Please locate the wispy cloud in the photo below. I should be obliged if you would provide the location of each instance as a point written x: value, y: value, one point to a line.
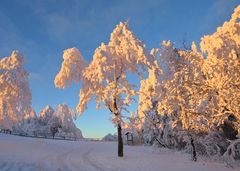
x: 68, y: 21
x: 10, y: 35
x: 33, y: 76
x: 12, y: 38
x: 219, y: 12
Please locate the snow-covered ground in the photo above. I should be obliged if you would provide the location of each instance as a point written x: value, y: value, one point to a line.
x: 20, y: 153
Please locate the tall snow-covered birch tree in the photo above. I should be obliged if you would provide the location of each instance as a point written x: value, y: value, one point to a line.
x: 106, y: 77
x: 15, y: 95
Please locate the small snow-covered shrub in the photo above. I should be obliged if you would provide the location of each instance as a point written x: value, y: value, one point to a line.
x: 171, y: 141
x: 147, y: 137
x: 213, y: 144
x: 233, y: 151
x: 201, y: 148
x: 179, y: 139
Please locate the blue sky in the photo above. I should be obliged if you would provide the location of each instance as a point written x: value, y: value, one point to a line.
x: 42, y: 29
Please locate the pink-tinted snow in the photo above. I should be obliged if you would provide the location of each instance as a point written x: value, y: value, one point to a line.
x: 20, y: 153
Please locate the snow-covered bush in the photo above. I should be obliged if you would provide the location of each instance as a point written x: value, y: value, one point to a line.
x: 157, y: 130
x: 232, y: 155
x: 27, y: 127
x: 213, y: 144
x: 110, y: 137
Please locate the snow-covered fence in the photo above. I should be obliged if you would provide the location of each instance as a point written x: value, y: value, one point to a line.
x: 93, y: 139
x: 38, y: 136
x: 6, y: 131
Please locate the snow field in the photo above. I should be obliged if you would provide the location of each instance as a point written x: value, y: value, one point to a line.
x: 30, y: 154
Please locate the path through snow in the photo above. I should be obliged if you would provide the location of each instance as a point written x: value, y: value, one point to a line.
x: 30, y: 154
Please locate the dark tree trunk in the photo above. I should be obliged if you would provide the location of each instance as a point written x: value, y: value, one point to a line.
x: 194, y: 154
x: 120, y: 141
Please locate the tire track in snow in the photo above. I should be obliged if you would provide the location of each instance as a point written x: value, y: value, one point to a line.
x: 97, y: 166
x: 56, y: 161
x: 16, y: 166
x: 86, y: 159
x: 78, y: 159
x: 64, y: 158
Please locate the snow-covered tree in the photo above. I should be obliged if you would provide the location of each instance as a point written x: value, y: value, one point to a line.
x: 133, y: 124
x: 156, y: 126
x: 205, y: 90
x: 67, y: 127
x: 148, y: 91
x: 147, y: 108
x: 46, y: 114
x: 105, y: 78
x: 15, y: 95
x: 198, y: 89
x: 181, y: 70
x: 180, y: 90
x: 71, y: 69
x: 221, y: 68
x: 45, y: 121
x: 60, y: 121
